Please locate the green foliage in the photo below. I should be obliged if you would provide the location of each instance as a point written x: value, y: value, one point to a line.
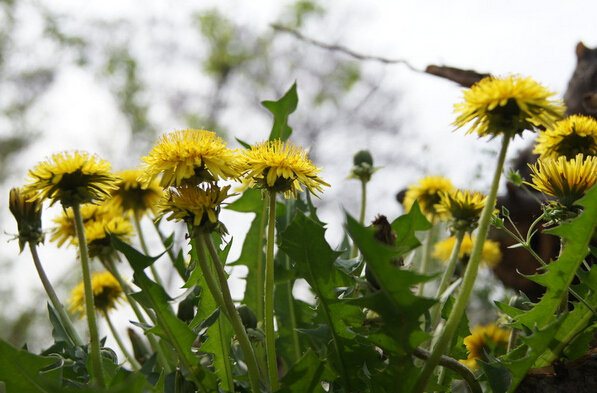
x: 281, y: 109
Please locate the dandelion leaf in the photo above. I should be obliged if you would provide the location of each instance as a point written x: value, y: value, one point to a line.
x: 304, y: 242
x: 306, y: 375
x: 281, y: 109
x: 405, y: 227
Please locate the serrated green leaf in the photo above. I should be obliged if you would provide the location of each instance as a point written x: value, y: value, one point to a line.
x: 281, y: 110
x: 20, y: 370
x: 58, y: 332
x: 304, y: 242
x: 498, y: 376
x: 405, y: 227
x: 306, y: 375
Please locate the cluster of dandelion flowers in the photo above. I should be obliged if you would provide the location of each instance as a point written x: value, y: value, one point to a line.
x: 65, y: 223
x: 461, y: 209
x: 485, y: 339
x: 198, y: 206
x: 427, y: 193
x: 507, y: 106
x: 189, y: 155
x: 98, y: 235
x: 106, y: 294
x: 573, y: 135
x: 566, y: 180
x: 132, y: 196
x: 279, y: 166
x: 72, y: 178
x: 491, y: 255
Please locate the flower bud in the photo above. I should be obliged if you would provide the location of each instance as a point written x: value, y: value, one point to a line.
x: 28, y: 216
x: 247, y: 316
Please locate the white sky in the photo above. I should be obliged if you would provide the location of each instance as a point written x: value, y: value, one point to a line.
x: 530, y: 38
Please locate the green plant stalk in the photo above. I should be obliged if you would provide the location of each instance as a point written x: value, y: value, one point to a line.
x: 66, y: 322
x: 270, y: 334
x: 355, y: 251
x: 134, y: 363
x: 233, y: 315
x: 260, y: 267
x: 426, y: 255
x: 448, y: 272
x: 470, y: 276
x: 154, y: 272
x: 96, y: 361
x: 454, y: 365
x: 155, y: 345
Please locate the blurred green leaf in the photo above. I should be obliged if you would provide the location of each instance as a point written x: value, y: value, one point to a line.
x: 281, y: 110
x: 21, y: 371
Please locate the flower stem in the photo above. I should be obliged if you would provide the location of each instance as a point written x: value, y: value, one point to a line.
x: 270, y: 334
x: 66, y: 322
x: 233, y: 316
x: 134, y: 363
x: 155, y: 345
x: 426, y: 256
x: 96, y: 361
x: 355, y: 251
x: 154, y: 272
x: 448, y: 272
x: 469, y: 276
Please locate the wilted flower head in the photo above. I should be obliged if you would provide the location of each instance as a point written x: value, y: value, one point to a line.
x: 106, y: 294
x: 72, y: 178
x: 190, y: 155
x: 461, y: 209
x: 569, y: 137
x: 279, y: 166
x: 427, y: 193
x: 491, y: 254
x: 507, y: 106
x: 132, y: 196
x: 490, y: 338
x: 198, y: 206
x: 566, y: 180
x: 27, y: 211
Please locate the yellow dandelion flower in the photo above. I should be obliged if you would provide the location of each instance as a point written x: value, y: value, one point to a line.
x: 279, y: 166
x: 427, y: 192
x: 491, y: 254
x: 27, y: 211
x: 567, y: 180
x: 196, y: 205
x: 72, y: 178
x: 98, y: 234
x: 461, y: 209
x: 573, y: 135
x: 106, y: 294
x: 65, y: 229
x: 507, y: 106
x: 189, y: 155
x: 489, y: 338
x: 131, y: 196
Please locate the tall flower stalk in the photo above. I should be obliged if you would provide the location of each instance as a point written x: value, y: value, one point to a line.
x: 277, y: 167
x: 504, y: 107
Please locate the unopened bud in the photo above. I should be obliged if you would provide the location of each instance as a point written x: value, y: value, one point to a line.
x: 28, y: 216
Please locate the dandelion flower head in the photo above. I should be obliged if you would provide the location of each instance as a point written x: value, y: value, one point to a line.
x: 567, y: 180
x: 106, y: 294
x: 427, y: 193
x: 489, y: 338
x: 98, y: 234
x: 280, y: 167
x: 196, y: 205
x: 65, y: 229
x: 188, y: 155
x: 461, y: 209
x: 507, y: 106
x: 491, y: 255
x: 573, y: 135
x: 72, y: 178
x: 131, y: 196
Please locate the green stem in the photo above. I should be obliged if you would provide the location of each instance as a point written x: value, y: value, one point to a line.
x: 66, y: 322
x: 289, y: 284
x: 134, y: 363
x: 469, y: 276
x: 425, y: 256
x: 94, y: 345
x: 448, y: 272
x: 154, y: 272
x: 355, y: 251
x: 270, y: 334
x: 454, y: 365
x: 234, y: 316
x: 155, y: 345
